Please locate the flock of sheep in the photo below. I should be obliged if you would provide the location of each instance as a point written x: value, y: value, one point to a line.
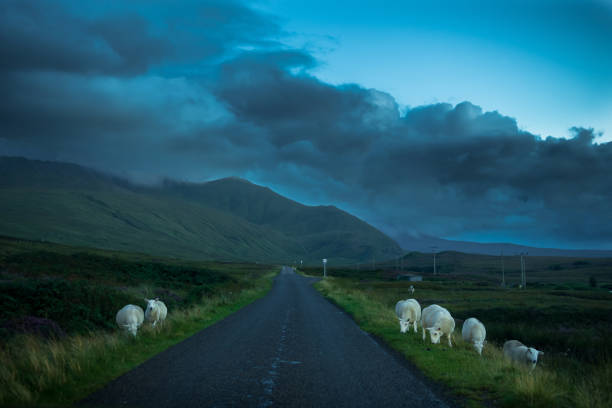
x: 439, y: 323
x: 130, y: 317
x: 434, y: 318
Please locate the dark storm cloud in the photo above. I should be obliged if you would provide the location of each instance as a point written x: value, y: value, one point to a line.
x: 85, y: 84
x: 211, y: 92
x: 40, y: 35
x: 275, y: 91
x: 439, y: 169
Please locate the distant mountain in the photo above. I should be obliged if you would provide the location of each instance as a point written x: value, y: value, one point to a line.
x: 430, y: 244
x: 228, y: 219
x: 322, y: 231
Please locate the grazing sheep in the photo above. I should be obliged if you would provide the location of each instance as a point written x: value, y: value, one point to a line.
x: 474, y: 332
x: 517, y: 351
x: 411, y: 289
x: 439, y: 322
x: 156, y: 311
x: 130, y: 317
x: 408, y: 312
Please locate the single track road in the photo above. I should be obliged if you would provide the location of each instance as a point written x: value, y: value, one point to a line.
x: 291, y: 348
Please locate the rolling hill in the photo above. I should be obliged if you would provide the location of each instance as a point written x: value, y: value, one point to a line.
x: 426, y: 243
x: 227, y: 219
x: 320, y: 230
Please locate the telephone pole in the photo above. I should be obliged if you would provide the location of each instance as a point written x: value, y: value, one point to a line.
x: 503, y: 282
x: 434, y: 249
x: 523, y: 271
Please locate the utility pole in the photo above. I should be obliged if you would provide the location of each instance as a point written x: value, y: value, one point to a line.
x: 503, y: 282
x: 434, y: 249
x: 434, y: 263
x: 523, y: 269
x: 522, y: 273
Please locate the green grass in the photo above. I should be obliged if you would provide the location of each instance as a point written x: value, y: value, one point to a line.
x: 554, y: 272
x: 125, y: 220
x: 577, y: 377
x: 544, y: 270
x: 74, y: 286
x: 36, y: 372
x: 81, y: 290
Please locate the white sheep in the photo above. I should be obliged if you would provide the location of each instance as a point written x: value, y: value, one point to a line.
x: 411, y: 289
x: 156, y: 311
x: 408, y: 312
x: 130, y: 317
x: 474, y: 332
x: 439, y: 322
x: 517, y: 351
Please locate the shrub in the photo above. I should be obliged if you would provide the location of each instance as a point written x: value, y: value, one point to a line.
x: 77, y: 306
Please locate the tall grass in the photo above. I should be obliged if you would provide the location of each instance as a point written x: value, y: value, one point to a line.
x: 488, y: 380
x: 58, y: 372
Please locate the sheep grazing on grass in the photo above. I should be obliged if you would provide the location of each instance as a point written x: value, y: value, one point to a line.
x: 411, y: 289
x: 439, y: 322
x: 129, y: 318
x: 517, y: 351
x: 156, y: 311
x: 474, y: 332
x: 408, y: 312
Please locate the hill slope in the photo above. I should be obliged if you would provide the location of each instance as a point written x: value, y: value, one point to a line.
x: 225, y: 220
x: 428, y: 243
x: 323, y: 231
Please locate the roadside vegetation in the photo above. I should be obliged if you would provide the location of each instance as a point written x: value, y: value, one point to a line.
x: 571, y: 323
x: 58, y: 337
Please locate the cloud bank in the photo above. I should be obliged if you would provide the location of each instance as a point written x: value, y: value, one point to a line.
x: 213, y: 91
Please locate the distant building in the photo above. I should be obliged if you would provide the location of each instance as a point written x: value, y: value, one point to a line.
x: 409, y: 277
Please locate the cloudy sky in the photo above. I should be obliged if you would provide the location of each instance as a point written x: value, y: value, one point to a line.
x: 456, y: 119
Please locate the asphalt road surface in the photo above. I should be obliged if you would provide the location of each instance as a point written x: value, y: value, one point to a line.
x: 291, y: 348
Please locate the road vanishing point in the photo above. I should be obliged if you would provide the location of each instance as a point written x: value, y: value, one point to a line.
x: 291, y: 348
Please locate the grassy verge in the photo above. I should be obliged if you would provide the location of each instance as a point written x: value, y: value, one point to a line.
x: 38, y: 372
x: 488, y: 380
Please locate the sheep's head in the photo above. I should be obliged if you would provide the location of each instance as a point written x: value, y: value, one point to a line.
x: 404, y: 325
x: 532, y: 356
x: 151, y: 303
x: 434, y: 333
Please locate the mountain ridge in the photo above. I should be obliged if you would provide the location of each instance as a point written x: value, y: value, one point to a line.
x: 226, y: 219
x: 435, y: 244
x: 276, y: 228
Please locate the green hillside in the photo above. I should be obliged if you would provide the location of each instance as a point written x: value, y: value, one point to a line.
x: 228, y: 219
x: 323, y: 231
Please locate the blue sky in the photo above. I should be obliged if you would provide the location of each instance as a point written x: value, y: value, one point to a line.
x: 422, y: 118
x: 546, y: 63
